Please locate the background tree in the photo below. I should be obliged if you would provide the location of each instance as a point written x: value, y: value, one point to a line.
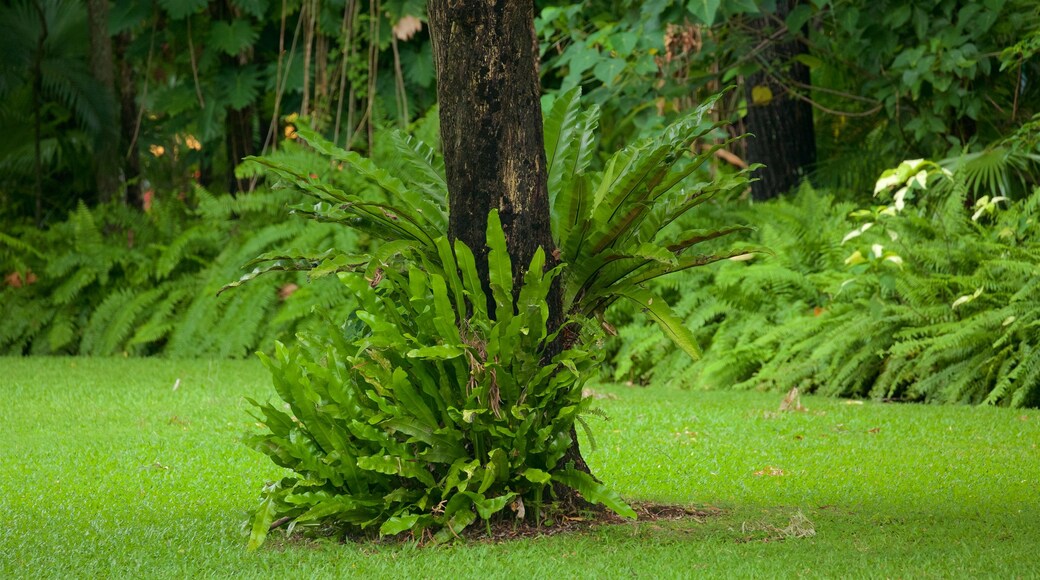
x: 781, y: 122
x: 102, y: 66
x: 129, y: 114
x: 53, y: 111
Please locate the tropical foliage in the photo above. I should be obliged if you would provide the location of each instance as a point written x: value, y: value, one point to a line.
x: 198, y: 85
x: 927, y: 297
x: 52, y: 110
x: 907, y: 80
x: 427, y: 408
x: 209, y: 82
x: 420, y: 417
x: 114, y: 281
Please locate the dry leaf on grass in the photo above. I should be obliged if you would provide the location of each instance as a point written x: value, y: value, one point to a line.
x: 770, y: 471
x: 792, y: 401
x: 798, y: 526
x: 587, y: 392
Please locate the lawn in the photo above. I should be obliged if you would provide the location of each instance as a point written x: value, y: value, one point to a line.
x: 133, y: 468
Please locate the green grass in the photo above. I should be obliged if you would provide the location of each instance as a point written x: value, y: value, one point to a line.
x: 107, y: 471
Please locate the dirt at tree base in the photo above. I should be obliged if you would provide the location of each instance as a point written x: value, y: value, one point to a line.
x: 511, y: 529
x: 506, y: 528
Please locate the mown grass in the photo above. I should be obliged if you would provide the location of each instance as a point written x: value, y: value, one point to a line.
x: 106, y: 470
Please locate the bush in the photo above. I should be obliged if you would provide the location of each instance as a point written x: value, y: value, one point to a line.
x: 116, y: 281
x: 930, y: 297
x: 429, y: 410
x: 414, y: 415
x: 727, y: 308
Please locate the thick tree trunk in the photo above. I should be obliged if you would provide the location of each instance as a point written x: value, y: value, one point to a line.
x: 107, y: 171
x: 782, y: 124
x: 491, y: 124
x: 486, y: 55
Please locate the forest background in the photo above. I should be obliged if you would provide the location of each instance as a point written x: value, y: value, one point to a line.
x: 126, y: 208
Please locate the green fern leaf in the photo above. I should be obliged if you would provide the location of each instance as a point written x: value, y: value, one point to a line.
x: 594, y: 491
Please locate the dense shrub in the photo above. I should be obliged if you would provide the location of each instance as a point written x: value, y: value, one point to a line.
x: 418, y: 416
x: 428, y: 409
x: 931, y: 296
x: 116, y: 281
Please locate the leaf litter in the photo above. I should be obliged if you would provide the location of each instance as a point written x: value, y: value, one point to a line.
x: 797, y: 527
x: 505, y: 529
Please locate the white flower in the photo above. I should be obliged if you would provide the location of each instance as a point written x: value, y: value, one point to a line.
x: 855, y: 258
x: 920, y: 179
x: 885, y: 182
x: 966, y: 298
x: 899, y: 198
x: 857, y: 232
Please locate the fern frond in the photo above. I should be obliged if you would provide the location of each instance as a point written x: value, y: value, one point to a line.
x: 113, y: 321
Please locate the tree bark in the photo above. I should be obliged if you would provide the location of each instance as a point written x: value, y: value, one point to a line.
x: 128, y: 114
x: 107, y: 171
x: 782, y: 124
x: 491, y: 125
x: 240, y: 129
x: 37, y: 100
x: 486, y: 56
x: 241, y: 143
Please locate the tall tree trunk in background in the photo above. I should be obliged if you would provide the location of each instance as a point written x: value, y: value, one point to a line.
x: 241, y: 142
x: 37, y: 101
x: 128, y: 115
x: 782, y: 124
x: 240, y: 125
x: 486, y: 56
x: 107, y: 170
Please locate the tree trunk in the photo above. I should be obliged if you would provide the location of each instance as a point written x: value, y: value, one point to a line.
x: 240, y: 138
x: 128, y: 115
x: 239, y: 131
x: 781, y: 123
x: 102, y: 67
x: 37, y: 100
x: 491, y: 125
x: 486, y: 55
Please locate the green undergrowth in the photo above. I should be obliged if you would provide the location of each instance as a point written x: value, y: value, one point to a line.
x: 134, y: 467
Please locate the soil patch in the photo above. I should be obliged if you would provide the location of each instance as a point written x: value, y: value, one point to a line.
x: 506, y: 529
x: 511, y: 529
